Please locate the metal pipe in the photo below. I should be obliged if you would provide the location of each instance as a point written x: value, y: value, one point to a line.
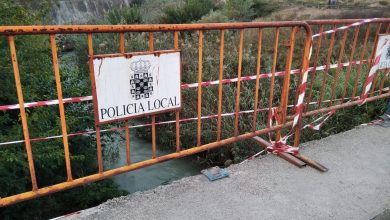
x: 336, y: 75
x: 286, y: 83
x: 258, y: 63
x: 221, y: 57
x: 68, y: 29
x: 347, y: 75
x: 177, y: 113
x: 200, y: 54
x: 313, y: 74
x: 238, y: 91
x: 330, y: 49
x: 61, y: 107
x: 23, y: 117
x: 95, y: 102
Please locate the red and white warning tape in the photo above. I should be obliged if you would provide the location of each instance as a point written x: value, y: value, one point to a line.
x: 46, y: 103
x: 280, y: 145
x: 374, y: 122
x: 345, y: 27
x: 67, y: 215
x: 158, y: 123
x: 184, y: 86
x: 323, y: 119
x: 373, y: 71
x: 283, y: 147
x: 134, y: 126
x: 150, y: 124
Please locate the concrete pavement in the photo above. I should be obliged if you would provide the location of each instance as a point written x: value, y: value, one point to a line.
x: 357, y: 186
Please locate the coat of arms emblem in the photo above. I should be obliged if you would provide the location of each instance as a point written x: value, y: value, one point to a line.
x: 141, y: 80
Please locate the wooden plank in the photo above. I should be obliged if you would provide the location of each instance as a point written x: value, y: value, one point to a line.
x: 312, y: 163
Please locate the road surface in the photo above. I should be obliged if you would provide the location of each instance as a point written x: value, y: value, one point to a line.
x: 357, y: 186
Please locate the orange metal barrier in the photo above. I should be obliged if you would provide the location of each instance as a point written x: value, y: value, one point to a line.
x: 354, y: 46
x: 257, y: 28
x: 282, y: 40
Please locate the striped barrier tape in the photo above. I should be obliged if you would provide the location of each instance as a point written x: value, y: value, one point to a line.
x: 134, y: 126
x: 374, y: 122
x: 281, y: 145
x: 373, y: 71
x: 67, y: 215
x: 323, y: 119
x: 287, y: 148
x: 345, y: 27
x: 157, y: 123
x: 184, y: 86
x: 161, y: 123
x: 253, y: 156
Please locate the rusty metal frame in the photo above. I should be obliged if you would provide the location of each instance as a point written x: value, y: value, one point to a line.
x: 12, y: 31
x: 334, y: 23
x: 73, y: 29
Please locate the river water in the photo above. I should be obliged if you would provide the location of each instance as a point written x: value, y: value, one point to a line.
x: 153, y: 176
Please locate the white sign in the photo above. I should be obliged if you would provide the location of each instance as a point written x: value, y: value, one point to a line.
x: 129, y: 86
x: 383, y: 47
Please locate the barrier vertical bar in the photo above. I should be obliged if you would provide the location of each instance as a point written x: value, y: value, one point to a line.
x: 326, y: 68
x: 221, y: 58
x: 357, y: 29
x: 305, y: 66
x: 339, y: 61
x: 362, y: 53
x: 122, y: 42
x: 200, y: 54
x: 23, y: 117
x: 151, y: 48
x: 286, y: 83
x: 238, y: 82
x: 385, y: 76
x: 314, y: 71
x: 271, y: 95
x: 126, y: 124
x: 61, y: 107
x: 258, y: 63
x: 177, y: 113
x: 95, y: 103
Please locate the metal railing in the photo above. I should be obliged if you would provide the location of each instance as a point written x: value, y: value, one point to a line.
x: 275, y: 43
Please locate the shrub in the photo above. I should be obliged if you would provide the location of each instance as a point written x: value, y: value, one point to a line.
x: 262, y: 8
x: 191, y: 10
x: 130, y: 15
x: 239, y: 10
x: 214, y: 17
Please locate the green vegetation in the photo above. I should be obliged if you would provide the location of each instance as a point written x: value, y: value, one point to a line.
x: 189, y: 11
x: 130, y: 15
x: 245, y: 10
x: 37, y: 76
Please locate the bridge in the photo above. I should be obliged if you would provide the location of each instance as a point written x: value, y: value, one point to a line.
x: 226, y: 83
